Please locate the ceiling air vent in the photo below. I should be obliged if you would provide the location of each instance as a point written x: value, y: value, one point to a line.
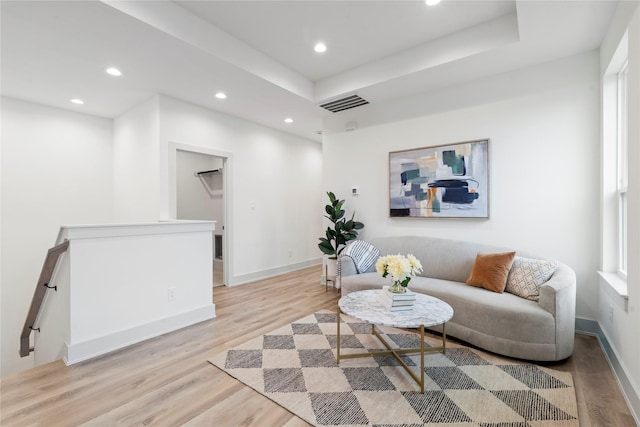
x: 346, y: 103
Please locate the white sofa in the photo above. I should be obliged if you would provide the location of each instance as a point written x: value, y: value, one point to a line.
x: 503, y: 323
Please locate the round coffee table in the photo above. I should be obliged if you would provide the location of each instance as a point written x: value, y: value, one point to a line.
x: 366, y: 306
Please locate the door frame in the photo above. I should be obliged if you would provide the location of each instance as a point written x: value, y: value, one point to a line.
x: 227, y: 177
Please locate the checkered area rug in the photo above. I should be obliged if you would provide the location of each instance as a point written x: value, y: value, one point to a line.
x: 295, y: 366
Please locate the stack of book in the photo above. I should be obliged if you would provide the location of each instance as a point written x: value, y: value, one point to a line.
x: 397, y: 302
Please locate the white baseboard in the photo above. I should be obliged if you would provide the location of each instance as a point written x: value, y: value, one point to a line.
x: 98, y: 346
x: 272, y: 272
x: 631, y: 395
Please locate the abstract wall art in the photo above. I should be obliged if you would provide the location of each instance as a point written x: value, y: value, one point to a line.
x: 446, y: 181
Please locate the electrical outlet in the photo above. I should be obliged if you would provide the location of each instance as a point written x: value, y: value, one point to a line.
x: 171, y: 294
x: 611, y: 313
x: 289, y: 254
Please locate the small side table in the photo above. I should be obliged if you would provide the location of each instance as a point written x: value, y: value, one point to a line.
x: 327, y: 279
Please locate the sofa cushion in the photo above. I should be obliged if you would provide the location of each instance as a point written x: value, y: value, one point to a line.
x: 505, y: 315
x: 490, y: 271
x: 500, y: 315
x: 527, y: 275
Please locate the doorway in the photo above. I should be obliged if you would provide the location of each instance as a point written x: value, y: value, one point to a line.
x: 200, y: 195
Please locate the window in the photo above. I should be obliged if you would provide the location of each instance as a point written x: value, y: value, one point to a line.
x: 614, y: 170
x: 621, y: 169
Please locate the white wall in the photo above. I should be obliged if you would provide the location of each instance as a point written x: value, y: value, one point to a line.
x: 136, y: 170
x: 61, y: 167
x: 56, y: 169
x: 621, y: 330
x: 275, y: 183
x: 150, y: 301
x: 132, y: 299
x: 543, y: 165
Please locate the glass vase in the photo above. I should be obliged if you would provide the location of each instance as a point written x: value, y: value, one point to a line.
x: 397, y: 288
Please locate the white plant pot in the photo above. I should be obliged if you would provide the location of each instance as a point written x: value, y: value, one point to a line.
x: 329, y: 271
x: 332, y: 268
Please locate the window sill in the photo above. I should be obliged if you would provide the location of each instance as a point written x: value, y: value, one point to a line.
x: 615, y: 283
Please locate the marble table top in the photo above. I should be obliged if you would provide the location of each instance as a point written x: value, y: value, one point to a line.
x: 366, y: 306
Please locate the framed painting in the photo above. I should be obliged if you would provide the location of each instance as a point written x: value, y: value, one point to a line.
x: 445, y: 181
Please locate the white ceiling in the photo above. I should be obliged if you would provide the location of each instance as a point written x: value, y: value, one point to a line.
x: 356, y: 32
x: 261, y: 52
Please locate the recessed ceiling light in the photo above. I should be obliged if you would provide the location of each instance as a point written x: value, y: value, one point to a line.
x: 221, y: 95
x: 288, y: 120
x: 113, y: 71
x: 77, y: 101
x: 432, y: 2
x: 320, y: 47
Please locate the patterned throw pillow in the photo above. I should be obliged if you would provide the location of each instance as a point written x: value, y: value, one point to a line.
x: 527, y: 275
x: 363, y: 253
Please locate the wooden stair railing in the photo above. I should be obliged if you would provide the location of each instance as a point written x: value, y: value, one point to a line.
x: 38, y: 296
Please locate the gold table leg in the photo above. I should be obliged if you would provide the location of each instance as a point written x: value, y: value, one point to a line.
x: 421, y: 383
x: 394, y: 352
x: 338, y: 335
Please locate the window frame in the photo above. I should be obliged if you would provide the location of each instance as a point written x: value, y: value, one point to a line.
x: 622, y: 169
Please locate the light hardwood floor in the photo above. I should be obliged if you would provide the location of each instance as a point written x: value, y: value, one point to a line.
x: 167, y: 381
x: 218, y: 276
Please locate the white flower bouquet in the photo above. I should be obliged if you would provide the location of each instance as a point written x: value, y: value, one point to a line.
x: 399, y: 268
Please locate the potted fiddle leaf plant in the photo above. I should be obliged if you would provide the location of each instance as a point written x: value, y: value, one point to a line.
x: 337, y: 235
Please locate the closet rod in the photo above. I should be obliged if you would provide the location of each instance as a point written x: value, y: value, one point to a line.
x: 211, y: 171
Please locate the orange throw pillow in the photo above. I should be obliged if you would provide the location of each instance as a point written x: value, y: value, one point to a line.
x: 490, y: 271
